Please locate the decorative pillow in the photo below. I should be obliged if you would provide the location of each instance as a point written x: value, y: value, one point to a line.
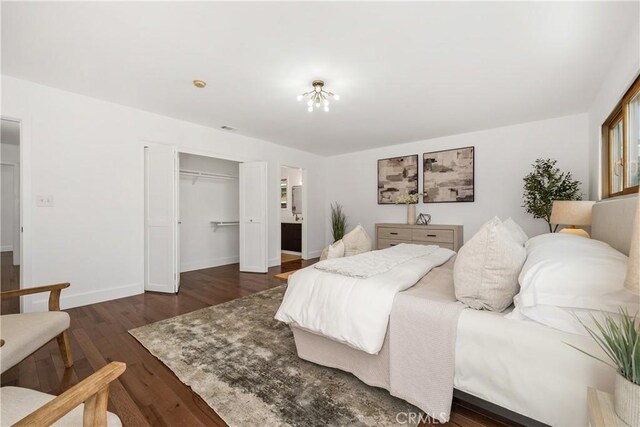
x: 336, y: 250
x: 485, y: 273
x: 516, y: 231
x: 567, y: 275
x: 356, y: 241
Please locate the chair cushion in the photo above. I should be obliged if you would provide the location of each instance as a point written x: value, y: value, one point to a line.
x: 25, y: 333
x: 18, y: 402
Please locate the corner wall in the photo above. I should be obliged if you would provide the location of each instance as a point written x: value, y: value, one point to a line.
x: 88, y: 154
x: 503, y: 156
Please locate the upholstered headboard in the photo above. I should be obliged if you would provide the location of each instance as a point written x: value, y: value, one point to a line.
x: 612, y: 221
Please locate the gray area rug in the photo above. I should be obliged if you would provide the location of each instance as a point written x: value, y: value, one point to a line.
x: 243, y: 363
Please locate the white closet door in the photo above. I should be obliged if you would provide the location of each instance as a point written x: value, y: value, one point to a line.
x: 161, y: 215
x: 253, y: 217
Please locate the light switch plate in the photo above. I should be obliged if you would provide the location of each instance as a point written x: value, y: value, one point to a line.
x: 44, y: 201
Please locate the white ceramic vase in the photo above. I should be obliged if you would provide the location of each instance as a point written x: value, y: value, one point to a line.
x: 411, y: 214
x: 626, y: 401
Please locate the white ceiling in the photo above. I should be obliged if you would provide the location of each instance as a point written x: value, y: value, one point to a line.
x: 405, y: 71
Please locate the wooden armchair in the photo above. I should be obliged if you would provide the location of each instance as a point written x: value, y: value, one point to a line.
x: 26, y: 332
x: 24, y: 407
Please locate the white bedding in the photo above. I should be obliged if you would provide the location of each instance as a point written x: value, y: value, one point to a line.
x: 527, y: 368
x: 374, y: 262
x: 352, y: 310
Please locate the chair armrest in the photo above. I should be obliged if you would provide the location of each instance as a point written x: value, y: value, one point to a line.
x: 93, y: 391
x: 54, y: 297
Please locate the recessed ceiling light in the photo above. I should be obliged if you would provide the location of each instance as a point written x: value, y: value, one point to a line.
x: 199, y: 83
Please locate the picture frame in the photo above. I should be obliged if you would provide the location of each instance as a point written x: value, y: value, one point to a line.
x: 397, y: 176
x: 448, y: 176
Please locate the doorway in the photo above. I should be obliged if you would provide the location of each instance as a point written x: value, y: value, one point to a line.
x: 201, y: 212
x: 292, y: 224
x: 10, y: 212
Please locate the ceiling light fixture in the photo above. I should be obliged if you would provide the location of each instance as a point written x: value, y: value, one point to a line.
x: 199, y: 83
x: 318, y: 97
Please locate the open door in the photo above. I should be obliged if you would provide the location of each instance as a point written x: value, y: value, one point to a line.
x: 253, y: 217
x: 161, y: 219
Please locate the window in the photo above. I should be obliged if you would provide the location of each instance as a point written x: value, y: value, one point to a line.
x: 622, y: 143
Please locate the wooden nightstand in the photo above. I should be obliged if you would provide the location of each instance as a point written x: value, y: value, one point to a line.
x: 601, y: 412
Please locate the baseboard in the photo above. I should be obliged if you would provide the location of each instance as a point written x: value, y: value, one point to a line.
x: 291, y: 252
x: 40, y: 302
x: 7, y: 248
x: 209, y: 263
x: 314, y: 254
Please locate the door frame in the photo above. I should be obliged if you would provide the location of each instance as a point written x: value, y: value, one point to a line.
x: 15, y: 195
x: 305, y: 211
x: 25, y: 207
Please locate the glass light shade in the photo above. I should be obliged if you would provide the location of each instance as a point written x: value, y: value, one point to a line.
x: 326, y: 102
x: 310, y: 109
x: 336, y: 97
x: 571, y: 212
x: 317, y: 105
x: 309, y: 103
x: 326, y: 109
x: 299, y: 98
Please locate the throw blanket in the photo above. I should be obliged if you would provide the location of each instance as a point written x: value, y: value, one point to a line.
x: 352, y: 310
x: 374, y: 262
x: 422, y: 341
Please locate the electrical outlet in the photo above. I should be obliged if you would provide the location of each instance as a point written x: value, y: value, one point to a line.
x: 44, y: 201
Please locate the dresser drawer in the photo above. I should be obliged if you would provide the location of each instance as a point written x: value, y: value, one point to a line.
x: 435, y: 236
x: 394, y: 233
x: 387, y: 243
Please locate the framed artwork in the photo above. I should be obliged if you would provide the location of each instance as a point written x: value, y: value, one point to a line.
x: 397, y: 176
x: 448, y: 176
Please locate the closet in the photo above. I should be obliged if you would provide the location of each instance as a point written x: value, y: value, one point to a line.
x: 208, y: 212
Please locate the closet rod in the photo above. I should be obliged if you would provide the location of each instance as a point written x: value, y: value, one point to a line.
x: 199, y: 174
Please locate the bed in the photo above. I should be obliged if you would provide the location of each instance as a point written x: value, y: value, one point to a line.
x: 518, y: 368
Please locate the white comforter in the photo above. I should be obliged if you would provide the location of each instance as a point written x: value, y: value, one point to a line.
x: 354, y: 311
x: 374, y: 262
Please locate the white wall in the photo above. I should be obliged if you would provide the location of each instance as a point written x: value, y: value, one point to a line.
x: 88, y: 154
x: 503, y: 156
x: 203, y: 200
x: 293, y: 177
x: 10, y: 154
x: 623, y: 71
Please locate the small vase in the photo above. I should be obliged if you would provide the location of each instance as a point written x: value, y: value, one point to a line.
x: 411, y: 214
x: 626, y: 401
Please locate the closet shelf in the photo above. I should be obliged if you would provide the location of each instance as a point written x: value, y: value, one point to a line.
x: 217, y: 224
x: 212, y: 175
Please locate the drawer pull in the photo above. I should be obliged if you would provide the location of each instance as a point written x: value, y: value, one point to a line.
x: 394, y: 234
x: 392, y: 244
x: 432, y: 235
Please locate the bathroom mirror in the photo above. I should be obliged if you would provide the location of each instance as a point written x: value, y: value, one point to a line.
x: 296, y: 199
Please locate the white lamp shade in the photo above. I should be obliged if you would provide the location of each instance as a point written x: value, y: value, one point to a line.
x: 571, y: 212
x: 632, y: 281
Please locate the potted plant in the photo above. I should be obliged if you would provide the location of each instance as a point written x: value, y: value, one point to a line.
x: 410, y: 200
x: 621, y: 344
x: 338, y: 222
x: 545, y: 184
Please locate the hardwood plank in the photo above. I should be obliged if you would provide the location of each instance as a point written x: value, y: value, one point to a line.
x: 149, y: 393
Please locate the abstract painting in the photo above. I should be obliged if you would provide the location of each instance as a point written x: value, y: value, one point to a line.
x: 397, y: 176
x: 448, y: 176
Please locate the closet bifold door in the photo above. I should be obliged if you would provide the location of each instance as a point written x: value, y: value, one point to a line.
x: 161, y: 217
x: 253, y: 217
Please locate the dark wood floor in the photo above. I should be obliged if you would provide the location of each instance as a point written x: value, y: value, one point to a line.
x: 148, y: 393
x: 9, y: 281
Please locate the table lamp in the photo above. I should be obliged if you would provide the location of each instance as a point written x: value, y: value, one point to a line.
x: 572, y: 213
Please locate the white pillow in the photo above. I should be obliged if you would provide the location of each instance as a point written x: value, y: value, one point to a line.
x: 516, y: 231
x: 566, y: 274
x: 485, y: 273
x: 336, y: 250
x: 356, y: 241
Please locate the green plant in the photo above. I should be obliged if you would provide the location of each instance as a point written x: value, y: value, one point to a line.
x: 338, y: 222
x: 545, y: 184
x: 620, y: 342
